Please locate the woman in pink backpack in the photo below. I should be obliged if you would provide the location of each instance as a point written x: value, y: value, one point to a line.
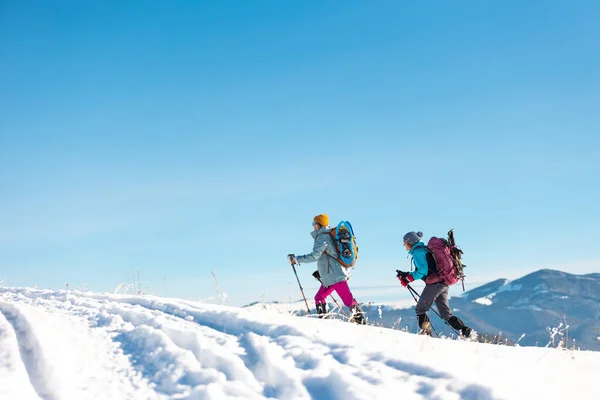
x: 435, y: 290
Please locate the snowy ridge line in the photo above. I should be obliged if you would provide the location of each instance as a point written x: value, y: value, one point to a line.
x: 31, y: 352
x: 273, y: 345
x: 219, y: 318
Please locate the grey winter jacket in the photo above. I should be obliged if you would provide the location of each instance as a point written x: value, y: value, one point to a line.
x: 330, y: 269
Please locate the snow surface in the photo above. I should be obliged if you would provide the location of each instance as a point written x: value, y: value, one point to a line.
x: 510, y: 287
x: 507, y: 286
x: 73, y: 345
x: 486, y: 301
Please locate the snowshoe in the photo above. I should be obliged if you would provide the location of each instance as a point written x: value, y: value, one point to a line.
x: 469, y: 334
x: 357, y: 315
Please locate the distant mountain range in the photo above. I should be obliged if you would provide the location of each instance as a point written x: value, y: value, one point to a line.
x: 535, y: 305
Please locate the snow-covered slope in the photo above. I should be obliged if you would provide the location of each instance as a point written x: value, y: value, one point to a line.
x: 72, y: 345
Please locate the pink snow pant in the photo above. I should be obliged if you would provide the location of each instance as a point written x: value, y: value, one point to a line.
x: 341, y: 289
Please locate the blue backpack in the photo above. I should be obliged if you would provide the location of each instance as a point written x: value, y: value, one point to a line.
x: 345, y: 243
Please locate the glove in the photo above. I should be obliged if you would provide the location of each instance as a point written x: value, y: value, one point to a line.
x: 317, y: 275
x: 401, y: 274
x: 405, y: 278
x: 292, y: 259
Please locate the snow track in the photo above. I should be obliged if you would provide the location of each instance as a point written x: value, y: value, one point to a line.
x: 278, y: 355
x: 14, y: 375
x: 62, y: 356
x: 38, y: 370
x: 72, y: 345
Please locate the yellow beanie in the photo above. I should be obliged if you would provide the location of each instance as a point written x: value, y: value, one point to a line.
x: 322, y: 219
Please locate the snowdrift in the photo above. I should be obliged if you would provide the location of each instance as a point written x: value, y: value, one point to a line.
x: 74, y: 345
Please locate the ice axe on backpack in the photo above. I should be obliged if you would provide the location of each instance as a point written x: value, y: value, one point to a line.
x: 456, y: 256
x: 301, y: 290
x: 318, y: 277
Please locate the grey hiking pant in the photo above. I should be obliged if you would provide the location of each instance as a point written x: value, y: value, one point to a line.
x: 436, y: 293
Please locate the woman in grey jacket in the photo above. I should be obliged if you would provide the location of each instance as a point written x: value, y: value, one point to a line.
x: 330, y: 272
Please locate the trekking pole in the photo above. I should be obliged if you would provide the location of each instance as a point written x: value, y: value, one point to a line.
x: 410, y: 288
x: 301, y: 290
x: 334, y: 300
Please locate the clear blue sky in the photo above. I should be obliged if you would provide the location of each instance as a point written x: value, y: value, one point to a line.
x: 178, y: 138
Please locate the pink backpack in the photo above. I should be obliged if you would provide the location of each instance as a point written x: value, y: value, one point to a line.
x: 447, y: 258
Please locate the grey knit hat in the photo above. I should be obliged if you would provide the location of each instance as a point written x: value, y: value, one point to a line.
x: 413, y: 237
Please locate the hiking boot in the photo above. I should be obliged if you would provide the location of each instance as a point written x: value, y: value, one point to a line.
x: 426, y: 329
x: 424, y: 324
x: 357, y: 315
x: 456, y: 323
x: 321, y: 310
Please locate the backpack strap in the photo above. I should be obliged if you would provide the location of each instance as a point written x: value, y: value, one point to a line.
x: 432, y: 268
x: 333, y: 238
